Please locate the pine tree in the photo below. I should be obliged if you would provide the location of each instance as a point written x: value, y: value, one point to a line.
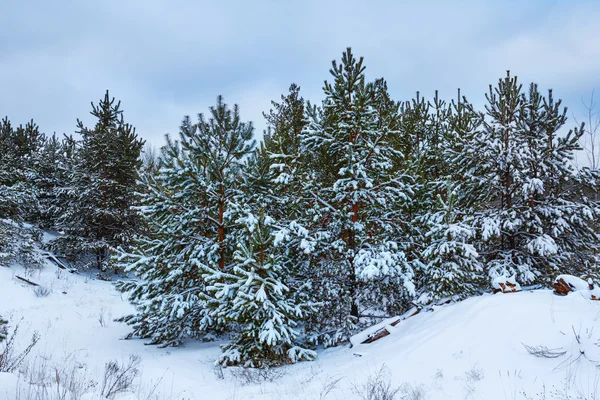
x: 3, y: 332
x: 441, y: 253
x: 256, y: 298
x: 51, y: 178
x: 189, y: 207
x: 356, y: 200
x: 102, y: 187
x: 532, y: 223
x: 18, y: 200
x: 452, y: 268
x: 17, y: 149
x: 275, y: 164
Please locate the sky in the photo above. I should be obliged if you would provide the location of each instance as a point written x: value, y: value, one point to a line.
x: 167, y: 59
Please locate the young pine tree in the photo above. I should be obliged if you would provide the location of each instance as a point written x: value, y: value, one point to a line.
x: 532, y: 221
x: 18, y: 199
x: 452, y: 268
x: 254, y: 297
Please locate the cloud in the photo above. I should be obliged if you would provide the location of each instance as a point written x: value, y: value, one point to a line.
x: 168, y: 59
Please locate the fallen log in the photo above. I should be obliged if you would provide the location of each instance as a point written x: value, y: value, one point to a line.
x: 383, y: 332
x: 60, y: 265
x: 26, y: 280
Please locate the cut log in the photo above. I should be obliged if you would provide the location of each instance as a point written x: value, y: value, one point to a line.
x: 26, y: 280
x: 565, y: 284
x: 503, y: 284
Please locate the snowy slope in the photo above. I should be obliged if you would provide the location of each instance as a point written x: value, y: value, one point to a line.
x: 468, y: 350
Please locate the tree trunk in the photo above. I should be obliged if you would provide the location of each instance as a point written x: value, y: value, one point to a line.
x: 221, y: 238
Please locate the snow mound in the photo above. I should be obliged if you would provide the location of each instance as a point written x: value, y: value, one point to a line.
x: 469, y: 349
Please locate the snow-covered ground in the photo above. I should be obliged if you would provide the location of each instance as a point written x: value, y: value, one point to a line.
x: 473, y: 349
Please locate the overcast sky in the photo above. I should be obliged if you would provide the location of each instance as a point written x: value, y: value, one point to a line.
x: 166, y: 59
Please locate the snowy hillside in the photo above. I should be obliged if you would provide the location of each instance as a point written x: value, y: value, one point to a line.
x: 473, y: 349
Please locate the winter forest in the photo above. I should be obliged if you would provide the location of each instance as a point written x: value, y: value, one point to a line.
x: 347, y: 210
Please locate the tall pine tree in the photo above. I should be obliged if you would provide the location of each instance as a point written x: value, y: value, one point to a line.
x: 356, y: 201
x: 102, y: 187
x: 190, y: 208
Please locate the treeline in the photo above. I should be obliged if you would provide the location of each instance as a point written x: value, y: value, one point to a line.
x: 84, y: 188
x: 348, y: 211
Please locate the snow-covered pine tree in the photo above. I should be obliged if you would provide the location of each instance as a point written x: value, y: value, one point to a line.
x: 189, y: 206
x: 18, y: 149
x: 255, y: 298
x: 464, y: 123
x: 3, y: 324
x: 355, y: 204
x: 17, y: 194
x: 291, y: 182
x: 441, y: 222
x: 55, y: 161
x: 452, y: 268
x: 495, y: 159
x: 276, y: 162
x: 422, y: 129
x: 559, y: 220
x: 519, y: 171
x: 98, y: 214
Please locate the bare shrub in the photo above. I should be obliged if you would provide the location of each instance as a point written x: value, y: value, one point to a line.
x: 103, y: 317
x: 42, y: 291
x: 475, y: 374
x: 329, y: 385
x: 248, y: 376
x: 10, y: 360
x: 118, y: 377
x: 377, y: 387
x: 413, y: 391
x: 67, y: 380
x: 218, y: 370
x: 543, y: 351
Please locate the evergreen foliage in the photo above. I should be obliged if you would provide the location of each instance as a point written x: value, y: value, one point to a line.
x: 451, y: 262
x: 18, y: 196
x: 350, y: 210
x: 357, y: 200
x: 531, y: 221
x: 190, y: 206
x: 255, y: 297
x: 3, y: 332
x: 97, y: 214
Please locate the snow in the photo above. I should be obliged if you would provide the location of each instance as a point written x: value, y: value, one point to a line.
x: 8, y: 385
x: 472, y: 349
